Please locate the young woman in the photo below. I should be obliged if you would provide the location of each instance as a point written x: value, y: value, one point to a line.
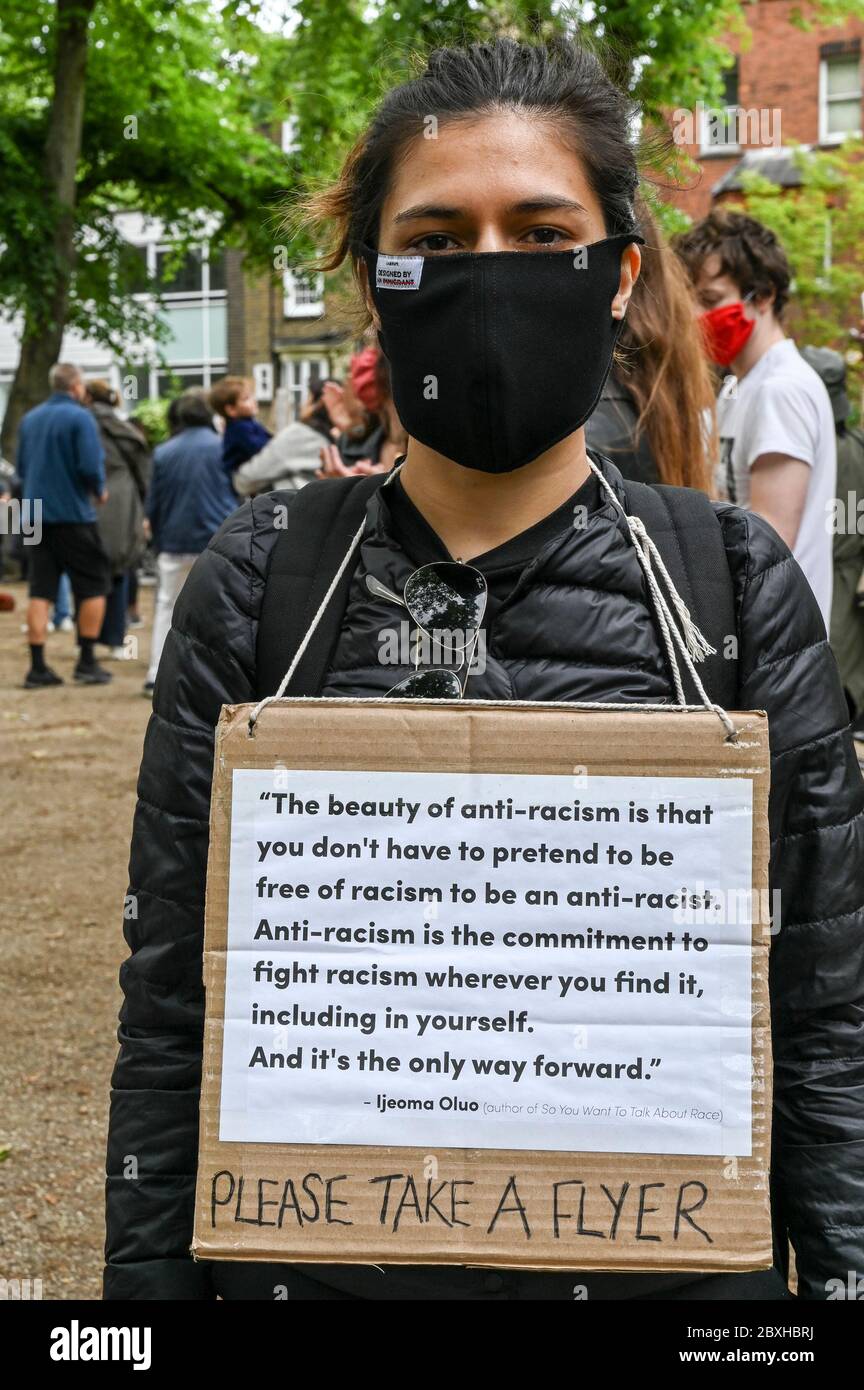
x: 499, y: 342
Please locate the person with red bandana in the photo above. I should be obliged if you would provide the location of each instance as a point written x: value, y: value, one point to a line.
x: 370, y: 385
x: 778, y: 454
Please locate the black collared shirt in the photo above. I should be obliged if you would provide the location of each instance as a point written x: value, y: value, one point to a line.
x: 501, y: 566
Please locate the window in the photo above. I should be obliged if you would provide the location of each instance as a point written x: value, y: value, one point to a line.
x: 720, y: 123
x: 172, y: 382
x: 179, y: 277
x: 304, y: 295
x: 198, y: 331
x: 218, y: 279
x: 839, y: 97
x: 194, y: 306
x: 134, y: 261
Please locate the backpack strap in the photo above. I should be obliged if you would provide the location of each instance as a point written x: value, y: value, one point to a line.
x: 321, y: 520
x: 323, y: 517
x: 684, y: 527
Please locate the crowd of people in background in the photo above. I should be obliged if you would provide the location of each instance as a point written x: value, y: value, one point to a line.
x: 707, y: 390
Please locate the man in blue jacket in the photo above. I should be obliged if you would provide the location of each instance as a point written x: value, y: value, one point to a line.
x: 189, y: 498
x: 60, y: 462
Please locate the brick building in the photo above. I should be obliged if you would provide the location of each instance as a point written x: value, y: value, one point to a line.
x: 282, y: 331
x: 788, y: 86
x: 283, y: 334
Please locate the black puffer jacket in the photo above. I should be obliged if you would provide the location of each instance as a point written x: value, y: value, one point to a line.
x: 576, y: 625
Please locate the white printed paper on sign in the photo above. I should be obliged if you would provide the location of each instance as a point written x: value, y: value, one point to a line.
x: 489, y: 960
x: 398, y: 272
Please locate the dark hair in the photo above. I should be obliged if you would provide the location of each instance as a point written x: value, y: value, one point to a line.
x: 316, y: 386
x: 749, y: 252
x: 383, y: 379
x: 100, y: 391
x: 191, y: 410
x: 560, y: 82
x: 661, y: 362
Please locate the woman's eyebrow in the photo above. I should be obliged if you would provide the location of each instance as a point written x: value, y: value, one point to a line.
x: 429, y: 210
x: 544, y: 202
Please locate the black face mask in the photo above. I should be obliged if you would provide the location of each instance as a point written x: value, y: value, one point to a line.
x: 496, y: 356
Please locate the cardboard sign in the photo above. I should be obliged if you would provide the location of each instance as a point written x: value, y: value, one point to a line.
x: 487, y: 984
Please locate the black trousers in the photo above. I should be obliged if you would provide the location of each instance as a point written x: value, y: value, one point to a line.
x: 399, y: 1283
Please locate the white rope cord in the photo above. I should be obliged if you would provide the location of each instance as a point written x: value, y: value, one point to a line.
x: 298, y: 655
x: 692, y: 645
x: 697, y: 645
x: 499, y: 704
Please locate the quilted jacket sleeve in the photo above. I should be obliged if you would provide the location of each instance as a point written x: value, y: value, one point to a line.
x: 817, y: 863
x: 208, y: 661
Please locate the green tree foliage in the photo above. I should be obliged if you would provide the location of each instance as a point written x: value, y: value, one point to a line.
x: 345, y: 53
x: 173, y: 105
x: 152, y: 416
x: 819, y: 225
x: 173, y: 126
x: 171, y: 129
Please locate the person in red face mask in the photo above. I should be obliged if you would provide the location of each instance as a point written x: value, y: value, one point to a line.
x: 364, y: 379
x: 727, y: 329
x: 774, y: 421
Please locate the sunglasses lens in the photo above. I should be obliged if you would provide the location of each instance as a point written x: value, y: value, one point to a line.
x: 446, y: 596
x: 428, y: 685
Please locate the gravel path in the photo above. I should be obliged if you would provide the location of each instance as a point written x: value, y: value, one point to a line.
x: 69, y: 760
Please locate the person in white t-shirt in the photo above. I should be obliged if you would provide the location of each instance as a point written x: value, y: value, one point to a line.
x: 778, y: 453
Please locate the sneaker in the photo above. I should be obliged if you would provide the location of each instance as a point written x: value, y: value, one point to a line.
x: 38, y: 680
x: 118, y: 654
x: 51, y: 627
x: 147, y: 688
x: 134, y: 622
x: 66, y: 625
x: 92, y: 675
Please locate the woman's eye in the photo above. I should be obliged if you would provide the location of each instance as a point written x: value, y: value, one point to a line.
x: 547, y: 236
x: 434, y: 241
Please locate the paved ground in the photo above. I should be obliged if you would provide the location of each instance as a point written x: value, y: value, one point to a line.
x: 69, y: 761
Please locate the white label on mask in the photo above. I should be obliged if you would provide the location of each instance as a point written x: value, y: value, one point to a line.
x: 398, y: 272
